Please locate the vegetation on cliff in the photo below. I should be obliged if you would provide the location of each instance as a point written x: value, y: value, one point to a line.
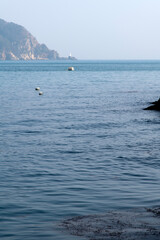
x: 16, y: 43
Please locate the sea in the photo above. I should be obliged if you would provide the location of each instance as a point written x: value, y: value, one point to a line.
x: 84, y: 147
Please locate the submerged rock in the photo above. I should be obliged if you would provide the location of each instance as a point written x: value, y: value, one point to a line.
x: 155, y: 106
x: 139, y: 224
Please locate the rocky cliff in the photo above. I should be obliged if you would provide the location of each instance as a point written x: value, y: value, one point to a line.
x: 16, y: 43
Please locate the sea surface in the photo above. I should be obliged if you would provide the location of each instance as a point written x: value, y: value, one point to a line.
x: 85, y: 146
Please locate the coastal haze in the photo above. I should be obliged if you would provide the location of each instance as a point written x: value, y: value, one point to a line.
x: 90, y: 29
x: 16, y: 43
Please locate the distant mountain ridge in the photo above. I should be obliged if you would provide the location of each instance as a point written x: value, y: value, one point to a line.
x: 16, y: 43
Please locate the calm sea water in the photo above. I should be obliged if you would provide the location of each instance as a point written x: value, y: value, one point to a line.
x: 85, y: 146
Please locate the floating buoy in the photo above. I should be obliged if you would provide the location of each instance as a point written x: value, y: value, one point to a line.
x: 37, y: 88
x: 40, y: 93
x: 71, y: 69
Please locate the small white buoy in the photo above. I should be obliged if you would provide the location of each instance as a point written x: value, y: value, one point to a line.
x: 71, y: 69
x: 37, y: 88
x: 40, y: 93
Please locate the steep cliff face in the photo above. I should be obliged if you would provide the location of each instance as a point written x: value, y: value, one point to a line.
x: 16, y: 43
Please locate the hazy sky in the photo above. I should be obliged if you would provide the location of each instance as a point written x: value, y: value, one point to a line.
x: 91, y: 29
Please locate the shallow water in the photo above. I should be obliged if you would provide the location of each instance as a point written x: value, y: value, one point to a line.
x: 84, y: 147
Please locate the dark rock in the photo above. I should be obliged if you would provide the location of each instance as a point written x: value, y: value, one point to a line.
x: 155, y: 106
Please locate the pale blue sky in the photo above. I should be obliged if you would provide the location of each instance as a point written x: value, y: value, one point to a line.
x: 91, y: 29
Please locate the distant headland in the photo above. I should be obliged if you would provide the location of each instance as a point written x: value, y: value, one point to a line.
x: 16, y: 43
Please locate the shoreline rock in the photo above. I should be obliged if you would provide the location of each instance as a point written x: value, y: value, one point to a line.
x: 155, y: 106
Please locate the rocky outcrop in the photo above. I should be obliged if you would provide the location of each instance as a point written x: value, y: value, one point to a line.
x: 16, y: 43
x: 136, y: 224
x: 155, y: 106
